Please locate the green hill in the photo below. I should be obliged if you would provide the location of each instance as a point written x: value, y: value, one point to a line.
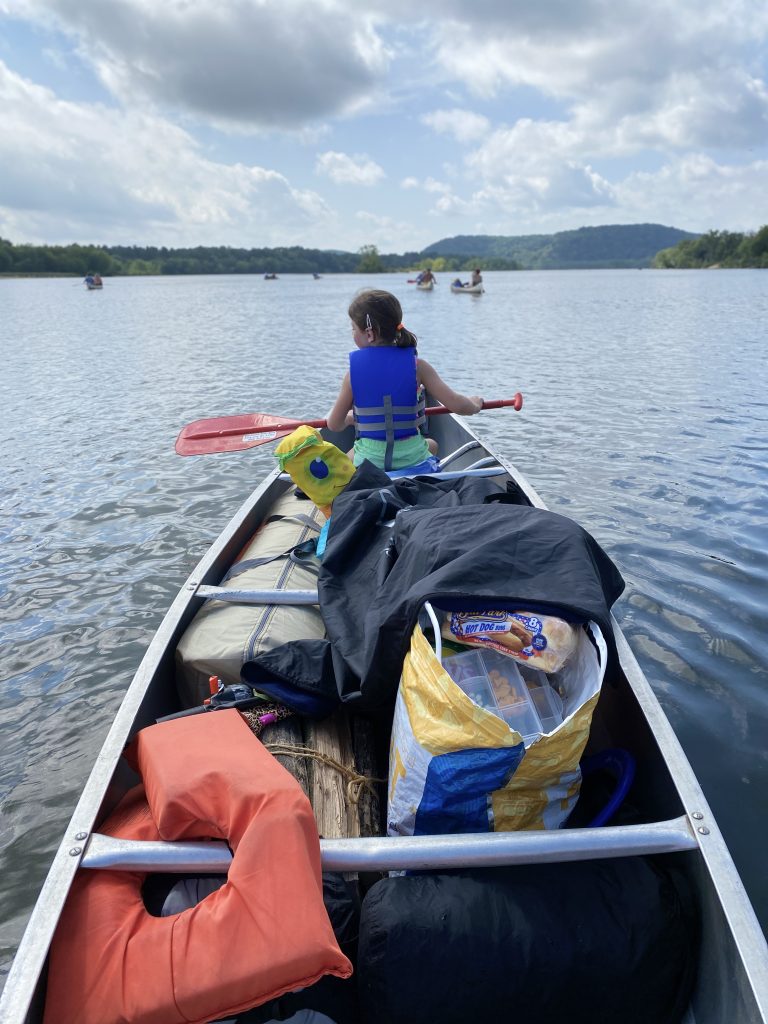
x: 615, y: 245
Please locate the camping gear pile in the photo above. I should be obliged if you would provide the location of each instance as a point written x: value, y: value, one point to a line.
x: 444, y: 624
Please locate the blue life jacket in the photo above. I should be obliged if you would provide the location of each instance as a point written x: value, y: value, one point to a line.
x: 385, y: 394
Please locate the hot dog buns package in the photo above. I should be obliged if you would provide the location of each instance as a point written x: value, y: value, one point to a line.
x: 544, y: 642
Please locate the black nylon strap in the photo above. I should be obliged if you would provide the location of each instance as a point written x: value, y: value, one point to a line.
x: 254, y: 563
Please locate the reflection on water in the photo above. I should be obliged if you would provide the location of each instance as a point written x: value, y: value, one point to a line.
x: 645, y: 419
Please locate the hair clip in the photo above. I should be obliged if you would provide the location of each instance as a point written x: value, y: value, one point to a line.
x: 368, y: 324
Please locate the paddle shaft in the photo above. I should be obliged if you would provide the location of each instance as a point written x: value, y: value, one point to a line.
x: 433, y: 410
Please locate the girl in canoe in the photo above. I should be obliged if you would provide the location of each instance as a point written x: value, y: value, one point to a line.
x: 383, y: 391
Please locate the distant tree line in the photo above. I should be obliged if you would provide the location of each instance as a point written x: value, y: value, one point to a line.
x: 617, y: 246
x: 121, y: 260
x: 717, y: 248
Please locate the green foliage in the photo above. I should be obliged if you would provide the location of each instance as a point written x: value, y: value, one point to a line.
x: 449, y: 264
x: 717, y: 249
x: 6, y: 256
x: 370, y: 261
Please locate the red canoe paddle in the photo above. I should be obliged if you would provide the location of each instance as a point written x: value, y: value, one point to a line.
x: 236, y: 433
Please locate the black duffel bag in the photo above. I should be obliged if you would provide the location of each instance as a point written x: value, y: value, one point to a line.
x: 599, y: 942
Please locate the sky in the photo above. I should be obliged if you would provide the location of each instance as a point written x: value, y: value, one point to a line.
x: 335, y: 124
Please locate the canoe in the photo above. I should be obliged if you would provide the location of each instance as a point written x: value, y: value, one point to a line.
x: 468, y: 289
x: 426, y: 287
x: 731, y: 982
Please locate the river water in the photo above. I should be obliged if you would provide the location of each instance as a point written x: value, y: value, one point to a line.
x: 645, y: 419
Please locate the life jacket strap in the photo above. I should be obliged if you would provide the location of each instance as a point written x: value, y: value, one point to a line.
x: 387, y: 424
x: 396, y: 410
x: 388, y: 412
x: 390, y: 429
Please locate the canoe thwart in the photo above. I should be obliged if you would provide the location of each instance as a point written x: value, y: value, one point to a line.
x: 452, y: 475
x: 257, y: 596
x: 102, y: 851
x: 400, y: 853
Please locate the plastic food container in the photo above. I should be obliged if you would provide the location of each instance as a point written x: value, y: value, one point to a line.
x: 493, y: 682
x: 548, y: 705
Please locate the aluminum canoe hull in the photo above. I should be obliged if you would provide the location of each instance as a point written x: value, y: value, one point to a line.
x: 732, y: 983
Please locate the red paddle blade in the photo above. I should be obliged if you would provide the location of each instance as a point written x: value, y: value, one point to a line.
x: 234, y: 433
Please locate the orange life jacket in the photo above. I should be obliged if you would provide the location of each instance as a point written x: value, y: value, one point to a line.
x: 264, y: 933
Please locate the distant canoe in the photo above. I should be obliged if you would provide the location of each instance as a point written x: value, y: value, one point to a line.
x: 468, y: 289
x: 271, y: 277
x: 427, y: 286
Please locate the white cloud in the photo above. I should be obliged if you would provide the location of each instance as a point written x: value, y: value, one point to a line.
x: 233, y: 62
x: 463, y: 125
x: 538, y: 166
x: 389, y: 233
x: 408, y: 183
x: 349, y: 170
x: 432, y: 185
x: 696, y: 193
x: 451, y: 205
x: 568, y: 49
x: 71, y: 170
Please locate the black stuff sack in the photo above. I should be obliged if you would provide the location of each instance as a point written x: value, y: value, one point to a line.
x: 597, y: 942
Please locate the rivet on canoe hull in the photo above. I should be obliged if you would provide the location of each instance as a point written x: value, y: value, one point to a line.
x: 81, y: 836
x: 703, y: 830
x: 75, y: 851
x: 697, y: 815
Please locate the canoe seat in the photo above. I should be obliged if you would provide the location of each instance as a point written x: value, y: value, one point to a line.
x: 430, y: 465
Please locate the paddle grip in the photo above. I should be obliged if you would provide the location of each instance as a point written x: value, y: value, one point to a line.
x: 515, y: 403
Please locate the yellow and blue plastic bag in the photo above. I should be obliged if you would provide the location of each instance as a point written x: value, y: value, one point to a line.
x: 317, y: 467
x: 456, y: 767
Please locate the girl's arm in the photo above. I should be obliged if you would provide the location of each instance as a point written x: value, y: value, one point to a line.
x: 337, y: 417
x: 437, y: 388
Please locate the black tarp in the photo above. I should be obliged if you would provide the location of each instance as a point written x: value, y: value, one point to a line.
x: 394, y: 544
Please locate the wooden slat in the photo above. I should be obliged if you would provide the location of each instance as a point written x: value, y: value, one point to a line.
x: 331, y: 738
